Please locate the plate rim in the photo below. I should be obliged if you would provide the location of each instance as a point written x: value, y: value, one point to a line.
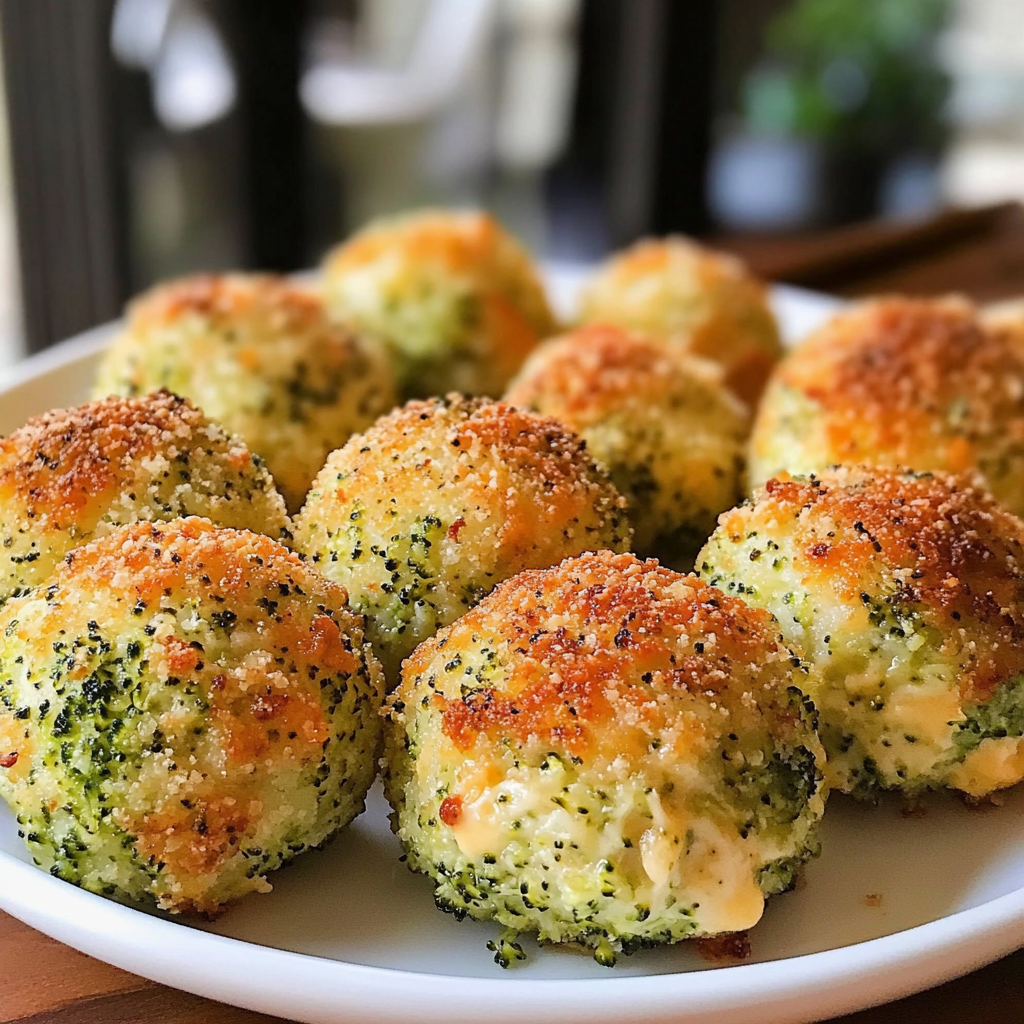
x: 794, y: 989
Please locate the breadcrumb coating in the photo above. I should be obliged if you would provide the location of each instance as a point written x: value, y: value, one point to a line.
x: 452, y: 297
x: 258, y: 354
x: 182, y: 710
x: 423, y: 514
x: 904, y: 594
x: 605, y: 752
x: 918, y: 383
x: 662, y: 421
x: 705, y: 301
x: 71, y: 475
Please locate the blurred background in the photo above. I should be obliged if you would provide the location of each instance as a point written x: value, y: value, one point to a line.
x: 146, y: 138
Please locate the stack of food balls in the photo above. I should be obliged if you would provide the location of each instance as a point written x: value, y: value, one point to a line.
x: 580, y: 743
x: 580, y: 739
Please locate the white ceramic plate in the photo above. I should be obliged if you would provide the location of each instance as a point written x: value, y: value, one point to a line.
x: 894, y: 904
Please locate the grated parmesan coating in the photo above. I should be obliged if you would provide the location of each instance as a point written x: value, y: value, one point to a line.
x: 918, y: 383
x: 71, y: 475
x: 605, y: 752
x: 453, y: 298
x: 705, y: 301
x: 257, y: 354
x: 662, y: 421
x: 904, y: 595
x: 182, y: 710
x: 423, y: 514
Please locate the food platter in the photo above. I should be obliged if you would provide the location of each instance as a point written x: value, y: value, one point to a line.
x: 896, y: 903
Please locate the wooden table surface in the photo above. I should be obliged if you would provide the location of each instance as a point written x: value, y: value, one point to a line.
x: 978, y: 253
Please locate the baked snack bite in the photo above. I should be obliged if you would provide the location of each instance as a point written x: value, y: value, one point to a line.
x: 606, y: 752
x: 662, y: 421
x: 182, y: 710
x: 258, y: 354
x: 903, y: 593
x: 71, y: 475
x: 423, y: 514
x: 705, y: 301
x: 453, y: 298
x: 918, y: 383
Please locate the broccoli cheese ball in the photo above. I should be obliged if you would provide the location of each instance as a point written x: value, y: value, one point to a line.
x: 259, y: 355
x: 606, y: 752
x: 423, y: 514
x: 918, y: 383
x: 904, y: 595
x: 670, y: 433
x: 452, y: 297
x: 74, y: 474
x: 705, y: 301
x: 182, y: 710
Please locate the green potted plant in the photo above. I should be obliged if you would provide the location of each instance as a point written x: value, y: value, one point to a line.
x: 846, y: 90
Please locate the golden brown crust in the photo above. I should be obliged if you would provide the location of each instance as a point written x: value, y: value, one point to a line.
x: 953, y: 550
x: 655, y: 256
x: 248, y: 311
x: 67, y: 458
x: 891, y: 377
x: 603, y: 642
x: 471, y: 243
x: 705, y: 300
x: 461, y: 241
x: 537, y: 445
x: 600, y: 367
x: 226, y: 299
x: 191, y: 554
x: 480, y: 435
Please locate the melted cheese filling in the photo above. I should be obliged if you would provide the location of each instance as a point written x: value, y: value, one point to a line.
x: 675, y: 857
x: 993, y: 764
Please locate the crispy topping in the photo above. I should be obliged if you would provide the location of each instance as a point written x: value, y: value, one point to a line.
x: 190, y: 554
x: 602, y: 368
x: 911, y: 381
x: 194, y: 842
x: 677, y: 257
x: 497, y: 450
x: 598, y: 639
x: 60, y: 461
x: 461, y: 241
x: 539, y: 447
x: 226, y: 299
x: 940, y: 545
